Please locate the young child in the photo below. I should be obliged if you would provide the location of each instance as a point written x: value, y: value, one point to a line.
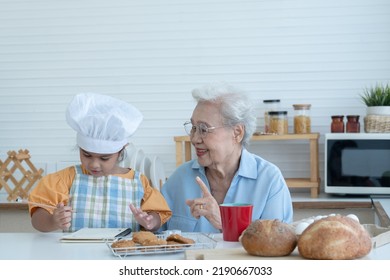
x: 98, y: 193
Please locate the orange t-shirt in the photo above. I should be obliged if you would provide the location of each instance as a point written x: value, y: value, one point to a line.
x: 54, y: 188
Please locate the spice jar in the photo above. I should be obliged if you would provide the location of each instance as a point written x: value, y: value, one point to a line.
x: 270, y: 105
x: 353, y: 125
x: 337, y: 125
x: 278, y: 123
x: 302, y: 121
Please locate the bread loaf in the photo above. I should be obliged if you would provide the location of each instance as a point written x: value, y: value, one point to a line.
x: 334, y: 238
x: 269, y: 238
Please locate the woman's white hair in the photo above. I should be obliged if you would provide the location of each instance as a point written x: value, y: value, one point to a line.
x: 235, y: 105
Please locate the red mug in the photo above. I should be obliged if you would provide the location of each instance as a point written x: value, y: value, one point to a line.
x: 235, y: 217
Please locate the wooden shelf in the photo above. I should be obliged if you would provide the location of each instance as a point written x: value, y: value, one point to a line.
x: 183, y: 153
x: 13, y: 206
x: 302, y: 183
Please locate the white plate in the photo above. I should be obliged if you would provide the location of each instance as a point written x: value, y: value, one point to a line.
x: 140, y: 159
x: 136, y: 159
x: 130, y: 149
x: 146, y: 164
x: 157, y: 175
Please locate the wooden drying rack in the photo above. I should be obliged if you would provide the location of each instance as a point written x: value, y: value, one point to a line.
x: 20, y: 187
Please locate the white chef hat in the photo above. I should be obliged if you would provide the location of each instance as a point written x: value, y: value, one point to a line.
x: 103, y: 123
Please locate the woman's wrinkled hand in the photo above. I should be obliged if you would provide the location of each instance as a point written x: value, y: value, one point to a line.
x: 205, y: 206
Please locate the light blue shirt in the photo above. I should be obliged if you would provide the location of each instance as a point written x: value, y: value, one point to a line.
x: 257, y: 181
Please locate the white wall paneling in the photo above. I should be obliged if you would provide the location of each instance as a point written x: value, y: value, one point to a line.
x: 153, y: 53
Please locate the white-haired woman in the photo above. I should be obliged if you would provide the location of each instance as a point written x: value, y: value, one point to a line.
x: 220, y: 128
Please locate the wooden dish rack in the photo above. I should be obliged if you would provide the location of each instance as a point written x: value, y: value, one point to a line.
x: 15, y: 186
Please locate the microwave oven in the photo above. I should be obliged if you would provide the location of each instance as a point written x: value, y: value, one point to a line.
x: 357, y: 163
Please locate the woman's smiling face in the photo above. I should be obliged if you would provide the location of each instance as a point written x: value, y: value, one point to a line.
x: 216, y: 146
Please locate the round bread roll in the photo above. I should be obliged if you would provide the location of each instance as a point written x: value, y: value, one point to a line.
x: 334, y: 238
x: 269, y: 238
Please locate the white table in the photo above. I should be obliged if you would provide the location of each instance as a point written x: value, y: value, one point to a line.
x: 43, y: 246
x: 46, y: 246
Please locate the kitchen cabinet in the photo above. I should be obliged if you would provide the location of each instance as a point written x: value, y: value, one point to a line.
x: 14, y: 217
x: 184, y: 153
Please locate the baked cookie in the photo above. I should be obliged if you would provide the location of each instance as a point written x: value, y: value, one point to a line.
x: 141, y: 237
x: 173, y: 245
x: 154, y: 242
x: 180, y: 239
x: 123, y: 246
x: 153, y: 245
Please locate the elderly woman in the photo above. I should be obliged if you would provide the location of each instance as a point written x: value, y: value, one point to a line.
x: 220, y: 128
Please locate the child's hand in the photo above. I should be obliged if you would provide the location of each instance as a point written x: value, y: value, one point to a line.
x: 148, y: 221
x: 62, y: 216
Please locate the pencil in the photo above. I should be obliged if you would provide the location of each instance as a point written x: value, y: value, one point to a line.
x: 38, y: 204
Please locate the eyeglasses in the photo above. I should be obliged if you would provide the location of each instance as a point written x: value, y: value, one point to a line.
x: 201, y: 128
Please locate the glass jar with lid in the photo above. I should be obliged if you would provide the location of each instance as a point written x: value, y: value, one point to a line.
x: 278, y: 122
x: 270, y: 105
x: 337, y: 125
x: 353, y: 125
x: 302, y: 120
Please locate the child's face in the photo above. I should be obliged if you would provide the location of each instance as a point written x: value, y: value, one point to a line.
x: 99, y: 164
